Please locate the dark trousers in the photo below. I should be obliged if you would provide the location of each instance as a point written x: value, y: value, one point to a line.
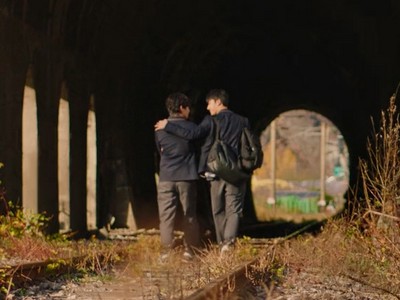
x: 170, y: 193
x: 227, y: 209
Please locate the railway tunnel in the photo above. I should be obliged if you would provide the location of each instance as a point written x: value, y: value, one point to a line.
x: 119, y: 59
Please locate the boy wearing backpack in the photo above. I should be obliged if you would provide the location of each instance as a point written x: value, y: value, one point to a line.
x: 226, y: 197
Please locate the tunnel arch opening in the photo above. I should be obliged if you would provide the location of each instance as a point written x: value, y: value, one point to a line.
x: 296, y: 182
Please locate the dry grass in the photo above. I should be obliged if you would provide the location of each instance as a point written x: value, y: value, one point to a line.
x: 363, y: 245
x: 341, y: 249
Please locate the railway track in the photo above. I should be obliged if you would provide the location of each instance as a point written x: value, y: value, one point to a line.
x: 256, y: 277
x: 177, y: 279
x: 157, y: 282
x: 251, y: 280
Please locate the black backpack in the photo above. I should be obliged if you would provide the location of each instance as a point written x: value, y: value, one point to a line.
x: 251, y: 153
x: 224, y: 162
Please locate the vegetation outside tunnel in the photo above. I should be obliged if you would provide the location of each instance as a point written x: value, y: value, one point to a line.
x: 295, y: 177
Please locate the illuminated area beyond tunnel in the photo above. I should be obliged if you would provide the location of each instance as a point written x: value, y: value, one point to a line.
x: 305, y: 172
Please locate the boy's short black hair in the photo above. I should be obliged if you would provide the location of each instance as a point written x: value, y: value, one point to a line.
x: 175, y: 100
x: 218, y: 94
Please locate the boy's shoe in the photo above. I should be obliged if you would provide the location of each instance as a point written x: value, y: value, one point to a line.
x: 164, y: 256
x: 226, y: 249
x: 188, y: 254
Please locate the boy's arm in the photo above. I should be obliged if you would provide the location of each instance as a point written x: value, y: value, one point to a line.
x: 195, y: 133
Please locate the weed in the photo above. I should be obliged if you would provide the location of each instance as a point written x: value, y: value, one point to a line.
x: 363, y: 245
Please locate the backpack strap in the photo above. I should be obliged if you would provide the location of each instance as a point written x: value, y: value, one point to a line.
x: 217, y: 133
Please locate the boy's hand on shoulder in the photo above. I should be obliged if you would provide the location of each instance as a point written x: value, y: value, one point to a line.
x: 160, y: 124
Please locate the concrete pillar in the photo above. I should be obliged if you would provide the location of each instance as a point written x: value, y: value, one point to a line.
x: 141, y: 165
x: 48, y: 76
x: 79, y: 106
x: 115, y: 188
x: 63, y: 146
x: 29, y: 150
x: 91, y: 169
x: 104, y: 174
x: 14, y: 63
